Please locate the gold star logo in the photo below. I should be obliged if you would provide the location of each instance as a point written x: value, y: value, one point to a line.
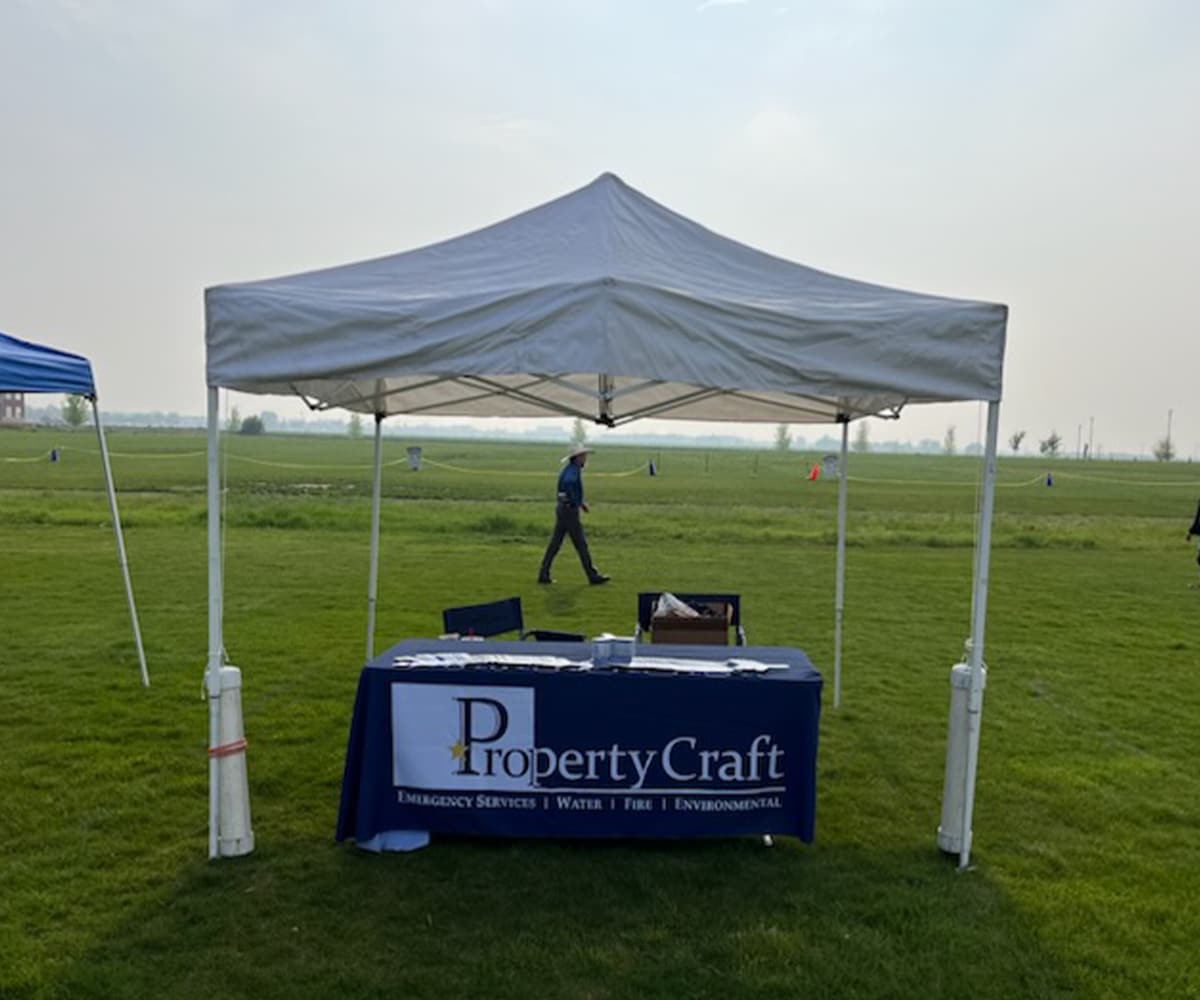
x: 458, y: 750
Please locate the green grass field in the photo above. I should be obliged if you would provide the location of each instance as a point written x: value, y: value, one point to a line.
x: 1086, y: 877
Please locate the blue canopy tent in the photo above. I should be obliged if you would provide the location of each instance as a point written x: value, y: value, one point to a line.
x: 26, y: 367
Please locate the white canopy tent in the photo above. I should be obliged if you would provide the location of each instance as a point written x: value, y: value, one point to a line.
x: 604, y: 305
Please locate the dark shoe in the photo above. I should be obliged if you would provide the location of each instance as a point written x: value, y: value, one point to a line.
x: 544, y: 579
x: 598, y: 579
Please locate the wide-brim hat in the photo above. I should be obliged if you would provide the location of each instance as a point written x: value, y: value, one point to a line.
x: 576, y: 451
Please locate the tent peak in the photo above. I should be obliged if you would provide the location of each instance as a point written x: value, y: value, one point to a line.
x: 610, y: 182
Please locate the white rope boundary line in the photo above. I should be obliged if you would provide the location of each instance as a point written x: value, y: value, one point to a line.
x: 943, y: 482
x: 1129, y: 482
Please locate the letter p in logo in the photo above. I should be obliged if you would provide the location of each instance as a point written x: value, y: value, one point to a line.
x: 472, y: 713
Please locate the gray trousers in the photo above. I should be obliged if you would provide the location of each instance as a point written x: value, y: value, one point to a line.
x: 566, y: 522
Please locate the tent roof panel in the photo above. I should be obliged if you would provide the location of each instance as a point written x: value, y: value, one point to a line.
x: 602, y: 281
x: 28, y: 367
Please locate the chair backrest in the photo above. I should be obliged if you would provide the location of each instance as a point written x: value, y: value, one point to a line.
x: 485, y: 619
x: 647, y: 600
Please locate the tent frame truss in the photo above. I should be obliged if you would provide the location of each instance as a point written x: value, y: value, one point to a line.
x: 605, y: 394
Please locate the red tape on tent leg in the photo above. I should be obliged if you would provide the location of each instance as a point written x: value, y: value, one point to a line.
x: 226, y: 749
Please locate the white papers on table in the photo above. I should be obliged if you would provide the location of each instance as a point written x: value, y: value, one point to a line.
x: 684, y: 665
x: 754, y: 666
x: 668, y: 664
x: 489, y: 660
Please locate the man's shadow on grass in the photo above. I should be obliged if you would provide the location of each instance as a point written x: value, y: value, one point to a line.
x: 498, y: 918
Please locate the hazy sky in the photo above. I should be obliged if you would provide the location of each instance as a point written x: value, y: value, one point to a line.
x: 1038, y: 153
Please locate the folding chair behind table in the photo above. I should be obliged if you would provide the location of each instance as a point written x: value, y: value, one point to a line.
x: 647, y: 600
x: 496, y: 618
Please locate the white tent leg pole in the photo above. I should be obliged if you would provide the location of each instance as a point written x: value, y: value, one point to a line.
x: 116, y: 520
x: 840, y: 591
x: 216, y: 642
x: 975, y: 567
x: 979, y: 608
x: 373, y: 575
x: 975, y: 560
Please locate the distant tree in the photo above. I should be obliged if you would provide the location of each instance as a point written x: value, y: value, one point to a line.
x: 949, y: 445
x: 74, y: 410
x: 1014, y: 442
x: 862, y: 439
x: 578, y: 433
x: 783, y: 439
x: 1164, y: 451
x: 251, y: 425
x: 234, y: 423
x: 1050, y: 445
x: 354, y: 428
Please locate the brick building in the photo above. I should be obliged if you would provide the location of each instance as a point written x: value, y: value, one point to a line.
x: 12, y: 407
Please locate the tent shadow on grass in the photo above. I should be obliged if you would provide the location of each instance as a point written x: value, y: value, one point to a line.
x: 594, y: 919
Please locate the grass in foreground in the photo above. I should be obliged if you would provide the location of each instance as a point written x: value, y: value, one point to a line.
x: 1086, y: 852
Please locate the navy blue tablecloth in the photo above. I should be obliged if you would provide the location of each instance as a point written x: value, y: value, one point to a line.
x: 603, y: 753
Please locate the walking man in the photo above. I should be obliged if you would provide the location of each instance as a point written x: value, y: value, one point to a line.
x: 1195, y: 530
x: 566, y: 517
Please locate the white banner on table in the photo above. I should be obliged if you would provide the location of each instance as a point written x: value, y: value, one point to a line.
x: 467, y: 737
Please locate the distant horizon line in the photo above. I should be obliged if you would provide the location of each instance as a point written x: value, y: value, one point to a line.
x: 546, y: 434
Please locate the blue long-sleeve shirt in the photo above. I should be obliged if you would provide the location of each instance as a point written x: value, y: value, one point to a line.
x: 570, y: 484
